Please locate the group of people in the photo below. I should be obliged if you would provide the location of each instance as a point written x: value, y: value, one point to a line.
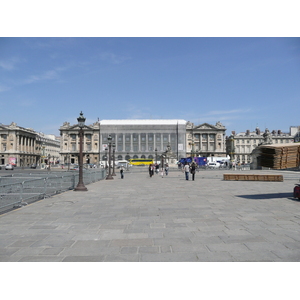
x: 187, y: 169
x: 155, y: 168
x: 190, y: 168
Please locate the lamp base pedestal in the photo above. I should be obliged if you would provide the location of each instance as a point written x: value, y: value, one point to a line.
x: 80, y: 188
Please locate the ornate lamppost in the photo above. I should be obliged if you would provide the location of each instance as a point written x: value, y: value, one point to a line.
x: 80, y: 185
x: 106, y: 166
x: 114, y: 148
x: 109, y: 176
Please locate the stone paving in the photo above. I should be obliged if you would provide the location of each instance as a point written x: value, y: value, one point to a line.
x: 143, y: 219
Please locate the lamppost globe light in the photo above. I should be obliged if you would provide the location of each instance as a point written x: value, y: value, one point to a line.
x: 81, y: 120
x: 109, y: 176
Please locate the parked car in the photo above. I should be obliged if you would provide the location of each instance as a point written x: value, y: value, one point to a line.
x: 33, y: 166
x: 74, y: 167
x: 213, y: 165
x: 9, y: 167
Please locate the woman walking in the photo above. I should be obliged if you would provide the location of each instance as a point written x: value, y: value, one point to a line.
x: 193, y: 170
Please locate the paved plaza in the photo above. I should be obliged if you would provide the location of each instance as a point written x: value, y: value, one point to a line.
x: 143, y: 219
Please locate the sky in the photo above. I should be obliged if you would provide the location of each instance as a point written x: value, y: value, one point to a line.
x: 241, y: 82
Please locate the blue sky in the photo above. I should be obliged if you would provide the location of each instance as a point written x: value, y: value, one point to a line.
x: 241, y: 82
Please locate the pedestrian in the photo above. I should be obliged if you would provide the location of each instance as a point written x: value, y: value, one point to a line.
x: 122, y: 172
x: 150, y: 171
x: 156, y: 168
x: 193, y: 170
x: 187, y: 171
x: 167, y: 169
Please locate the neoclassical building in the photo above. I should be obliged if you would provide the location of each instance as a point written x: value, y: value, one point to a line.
x: 241, y: 145
x: 142, y: 139
x: 206, y: 140
x: 23, y: 146
x: 69, y: 146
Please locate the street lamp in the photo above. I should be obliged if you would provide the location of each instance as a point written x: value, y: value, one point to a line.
x: 105, y: 158
x: 49, y: 162
x: 80, y: 185
x: 114, y: 148
x: 109, y: 176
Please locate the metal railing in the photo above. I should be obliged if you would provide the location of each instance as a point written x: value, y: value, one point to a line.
x: 20, y: 189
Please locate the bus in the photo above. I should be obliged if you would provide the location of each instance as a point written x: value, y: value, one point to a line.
x: 141, y: 161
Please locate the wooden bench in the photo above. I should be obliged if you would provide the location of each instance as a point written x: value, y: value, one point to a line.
x: 252, y: 177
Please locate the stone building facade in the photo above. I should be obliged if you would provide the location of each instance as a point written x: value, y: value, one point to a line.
x: 23, y: 146
x: 206, y: 140
x: 69, y: 146
x: 143, y: 138
x: 244, y: 143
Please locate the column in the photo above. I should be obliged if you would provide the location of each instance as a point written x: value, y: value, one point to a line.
x: 216, y: 142
x: 124, y: 149
x: 147, y: 148
x: 154, y: 142
x: 162, y: 142
x: 131, y: 142
x: 139, y: 136
x: 116, y: 142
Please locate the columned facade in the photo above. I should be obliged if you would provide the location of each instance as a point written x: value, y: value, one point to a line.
x: 69, y: 147
x: 23, y: 147
x: 206, y: 140
x: 143, y: 138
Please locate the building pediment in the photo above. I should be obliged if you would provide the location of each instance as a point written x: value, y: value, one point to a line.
x: 205, y: 126
x: 77, y: 128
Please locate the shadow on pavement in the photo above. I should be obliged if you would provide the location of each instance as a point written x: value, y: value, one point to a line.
x: 269, y: 196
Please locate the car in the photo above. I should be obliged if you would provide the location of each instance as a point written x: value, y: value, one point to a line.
x: 9, y: 167
x: 213, y: 165
x: 33, y: 166
x: 74, y: 167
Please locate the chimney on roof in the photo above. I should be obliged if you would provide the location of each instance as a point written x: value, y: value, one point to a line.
x: 257, y: 130
x: 279, y: 131
x: 248, y: 132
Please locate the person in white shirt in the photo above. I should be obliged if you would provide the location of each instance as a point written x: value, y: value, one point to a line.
x: 187, y: 171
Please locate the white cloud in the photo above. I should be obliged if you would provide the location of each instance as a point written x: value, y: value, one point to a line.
x: 113, y: 58
x: 9, y: 64
x: 47, y: 75
x: 4, y: 88
x: 229, y: 112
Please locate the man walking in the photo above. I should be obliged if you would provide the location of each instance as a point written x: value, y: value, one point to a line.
x: 122, y: 172
x: 187, y: 171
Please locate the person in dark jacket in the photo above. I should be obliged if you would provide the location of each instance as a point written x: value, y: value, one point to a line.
x: 193, y: 170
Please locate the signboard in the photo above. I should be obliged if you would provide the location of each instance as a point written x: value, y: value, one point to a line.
x: 180, y: 147
x: 104, y: 146
x: 12, y: 161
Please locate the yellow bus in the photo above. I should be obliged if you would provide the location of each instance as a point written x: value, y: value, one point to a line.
x: 141, y: 161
